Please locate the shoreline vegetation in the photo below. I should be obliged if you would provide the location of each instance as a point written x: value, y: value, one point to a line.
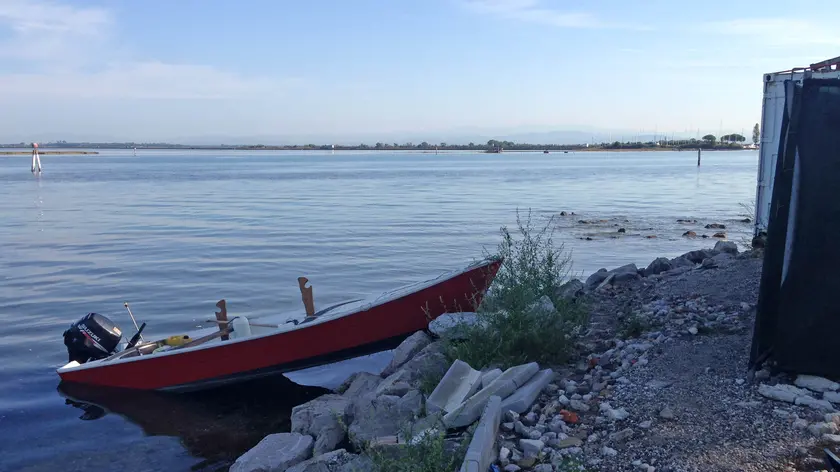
x: 708, y: 143
x: 636, y: 363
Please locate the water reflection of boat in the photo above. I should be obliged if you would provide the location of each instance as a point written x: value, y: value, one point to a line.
x: 215, y: 425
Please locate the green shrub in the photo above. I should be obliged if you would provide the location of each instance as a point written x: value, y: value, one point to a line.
x: 431, y: 453
x: 509, y: 330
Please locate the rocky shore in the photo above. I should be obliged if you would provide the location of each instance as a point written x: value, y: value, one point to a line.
x: 658, y: 382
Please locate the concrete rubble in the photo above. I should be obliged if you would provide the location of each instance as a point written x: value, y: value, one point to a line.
x: 663, y: 357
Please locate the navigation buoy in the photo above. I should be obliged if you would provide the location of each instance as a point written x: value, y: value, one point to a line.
x: 36, y: 159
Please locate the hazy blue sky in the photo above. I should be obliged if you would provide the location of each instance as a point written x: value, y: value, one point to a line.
x: 154, y: 69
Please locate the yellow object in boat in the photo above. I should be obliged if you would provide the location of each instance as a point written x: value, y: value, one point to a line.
x: 177, y: 340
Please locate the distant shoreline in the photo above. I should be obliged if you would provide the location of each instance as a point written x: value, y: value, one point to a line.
x: 43, y: 153
x: 552, y: 150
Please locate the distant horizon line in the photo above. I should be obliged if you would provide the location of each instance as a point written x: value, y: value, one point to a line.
x: 410, y: 145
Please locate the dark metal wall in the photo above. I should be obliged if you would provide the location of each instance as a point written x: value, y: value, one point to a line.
x: 798, y: 313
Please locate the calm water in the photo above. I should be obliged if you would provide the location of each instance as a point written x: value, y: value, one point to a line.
x: 173, y: 232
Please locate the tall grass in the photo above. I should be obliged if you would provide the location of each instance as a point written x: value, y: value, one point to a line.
x: 510, y: 330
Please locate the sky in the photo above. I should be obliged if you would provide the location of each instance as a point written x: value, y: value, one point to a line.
x: 325, y: 71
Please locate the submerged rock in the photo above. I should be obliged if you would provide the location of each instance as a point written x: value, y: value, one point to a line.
x: 715, y: 226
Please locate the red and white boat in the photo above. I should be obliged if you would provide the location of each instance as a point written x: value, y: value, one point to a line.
x: 240, y: 349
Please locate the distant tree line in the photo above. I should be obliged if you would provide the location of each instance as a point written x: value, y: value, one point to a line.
x: 728, y: 141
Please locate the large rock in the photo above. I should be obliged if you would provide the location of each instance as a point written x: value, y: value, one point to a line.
x: 697, y: 256
x: 383, y: 415
x: 453, y: 325
x: 659, y: 265
x: 626, y: 269
x: 322, y: 418
x: 833, y: 397
x: 681, y: 261
x: 821, y: 405
x: 430, y: 362
x: 361, y: 463
x: 624, y: 277
x: 360, y: 384
x: 328, y: 462
x: 781, y: 392
x: 817, y: 384
x: 594, y: 280
x: 406, y: 351
x: 727, y: 246
x: 275, y: 453
x: 569, y: 290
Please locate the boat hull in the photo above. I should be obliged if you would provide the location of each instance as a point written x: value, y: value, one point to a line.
x: 377, y: 327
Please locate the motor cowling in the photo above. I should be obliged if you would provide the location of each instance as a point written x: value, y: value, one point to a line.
x: 92, y: 337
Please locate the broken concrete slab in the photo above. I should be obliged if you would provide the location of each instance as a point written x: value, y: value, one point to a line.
x: 360, y: 384
x: 782, y: 392
x: 817, y: 384
x: 526, y: 395
x: 406, y: 351
x: 510, y: 380
x: 458, y: 384
x: 482, y: 449
x: 488, y: 377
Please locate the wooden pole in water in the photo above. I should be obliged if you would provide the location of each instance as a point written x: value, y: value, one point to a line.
x: 698, y: 156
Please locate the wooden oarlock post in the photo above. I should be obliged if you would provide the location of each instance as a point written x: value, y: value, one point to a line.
x: 222, y: 317
x: 306, y: 296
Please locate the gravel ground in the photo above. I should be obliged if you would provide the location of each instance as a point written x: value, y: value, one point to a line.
x: 675, y: 397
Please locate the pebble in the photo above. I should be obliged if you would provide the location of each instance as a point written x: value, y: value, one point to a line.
x: 646, y: 424
x: 608, y: 451
x: 667, y: 413
x: 512, y: 468
x: 531, y: 447
x: 579, y: 406
x: 544, y: 468
x: 622, y: 435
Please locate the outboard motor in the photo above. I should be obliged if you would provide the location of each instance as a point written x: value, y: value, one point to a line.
x: 92, y: 337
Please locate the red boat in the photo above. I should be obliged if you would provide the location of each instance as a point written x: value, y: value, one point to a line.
x: 240, y: 349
